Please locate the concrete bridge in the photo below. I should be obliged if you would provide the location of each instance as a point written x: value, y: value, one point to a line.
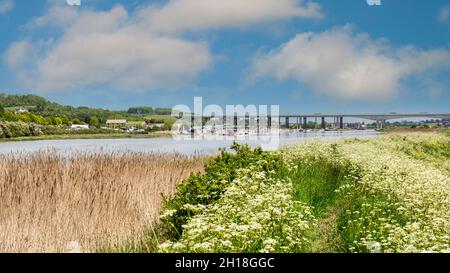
x: 380, y: 119
x: 301, y: 120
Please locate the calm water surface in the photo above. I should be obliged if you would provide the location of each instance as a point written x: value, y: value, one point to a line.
x: 186, y: 146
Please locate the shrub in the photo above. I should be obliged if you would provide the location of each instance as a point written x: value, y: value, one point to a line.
x: 19, y: 129
x: 207, y: 188
x: 256, y: 213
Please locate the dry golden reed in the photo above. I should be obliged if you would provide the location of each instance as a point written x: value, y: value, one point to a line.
x: 53, y: 203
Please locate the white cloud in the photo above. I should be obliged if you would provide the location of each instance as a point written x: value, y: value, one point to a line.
x: 17, y: 54
x: 181, y: 15
x: 141, y: 50
x: 444, y: 14
x: 6, y: 6
x: 347, y: 66
x: 107, y: 48
x: 58, y: 16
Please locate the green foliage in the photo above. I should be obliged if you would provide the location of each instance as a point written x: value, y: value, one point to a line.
x: 163, y: 111
x: 23, y: 101
x: 256, y: 214
x: 77, y: 121
x: 141, y: 110
x: 19, y: 129
x: 94, y: 122
x: 207, y: 188
x: 41, y: 106
x: 316, y: 182
x: 168, y: 122
x: 34, y: 118
x: 361, y: 214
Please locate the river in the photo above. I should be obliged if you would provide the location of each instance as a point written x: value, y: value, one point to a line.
x: 167, y: 145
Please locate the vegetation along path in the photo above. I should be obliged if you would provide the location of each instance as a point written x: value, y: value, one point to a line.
x: 390, y: 194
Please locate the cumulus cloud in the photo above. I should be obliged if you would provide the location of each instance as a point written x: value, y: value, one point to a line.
x: 139, y: 50
x: 348, y: 66
x: 6, y: 6
x: 58, y: 16
x: 17, y: 54
x: 444, y: 14
x: 107, y: 48
x: 182, y: 15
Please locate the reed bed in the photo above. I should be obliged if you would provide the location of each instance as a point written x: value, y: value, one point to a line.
x: 84, y: 202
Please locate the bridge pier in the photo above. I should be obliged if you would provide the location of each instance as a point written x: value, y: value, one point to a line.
x: 192, y: 126
x: 257, y: 125
x: 341, y: 122
x: 324, y: 125
x: 224, y: 123
x: 305, y: 123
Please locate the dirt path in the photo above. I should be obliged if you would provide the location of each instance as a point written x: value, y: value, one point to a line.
x: 325, y: 240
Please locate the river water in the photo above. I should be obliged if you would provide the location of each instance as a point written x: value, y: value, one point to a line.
x: 167, y: 145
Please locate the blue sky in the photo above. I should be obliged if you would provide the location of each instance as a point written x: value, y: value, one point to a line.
x: 307, y: 56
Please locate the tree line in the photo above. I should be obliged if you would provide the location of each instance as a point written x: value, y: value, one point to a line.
x: 43, y: 111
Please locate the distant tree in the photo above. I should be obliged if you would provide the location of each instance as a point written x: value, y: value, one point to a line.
x: 39, y: 119
x: 24, y: 117
x: 77, y: 121
x: 154, y: 120
x: 57, y: 121
x: 94, y: 122
x: 142, y: 110
x: 65, y: 121
x: 2, y: 111
x: 8, y: 116
x: 163, y: 111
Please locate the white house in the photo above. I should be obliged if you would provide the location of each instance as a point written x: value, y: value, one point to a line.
x: 21, y: 111
x: 80, y: 127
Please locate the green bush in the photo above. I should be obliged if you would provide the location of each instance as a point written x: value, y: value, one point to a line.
x: 207, y: 188
x: 19, y: 129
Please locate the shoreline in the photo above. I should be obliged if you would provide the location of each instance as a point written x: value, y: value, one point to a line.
x: 87, y: 136
x: 153, y: 135
x: 100, y: 136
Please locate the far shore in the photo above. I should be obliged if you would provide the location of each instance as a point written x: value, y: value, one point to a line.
x: 88, y: 136
x: 166, y: 134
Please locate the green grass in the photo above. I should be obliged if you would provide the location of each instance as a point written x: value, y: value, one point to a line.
x: 350, y: 215
x: 316, y: 182
x: 368, y: 207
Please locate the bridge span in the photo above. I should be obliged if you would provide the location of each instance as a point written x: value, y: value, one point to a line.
x: 301, y: 120
x: 380, y: 119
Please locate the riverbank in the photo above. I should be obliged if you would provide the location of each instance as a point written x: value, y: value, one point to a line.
x: 382, y: 194
x: 404, y: 130
x: 388, y: 194
x: 162, y: 143
x: 88, y: 136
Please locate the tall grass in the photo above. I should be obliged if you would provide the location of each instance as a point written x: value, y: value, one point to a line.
x: 393, y: 193
x: 50, y: 203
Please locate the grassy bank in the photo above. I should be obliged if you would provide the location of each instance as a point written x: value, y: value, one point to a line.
x: 351, y: 195
x: 386, y: 194
x: 88, y: 136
